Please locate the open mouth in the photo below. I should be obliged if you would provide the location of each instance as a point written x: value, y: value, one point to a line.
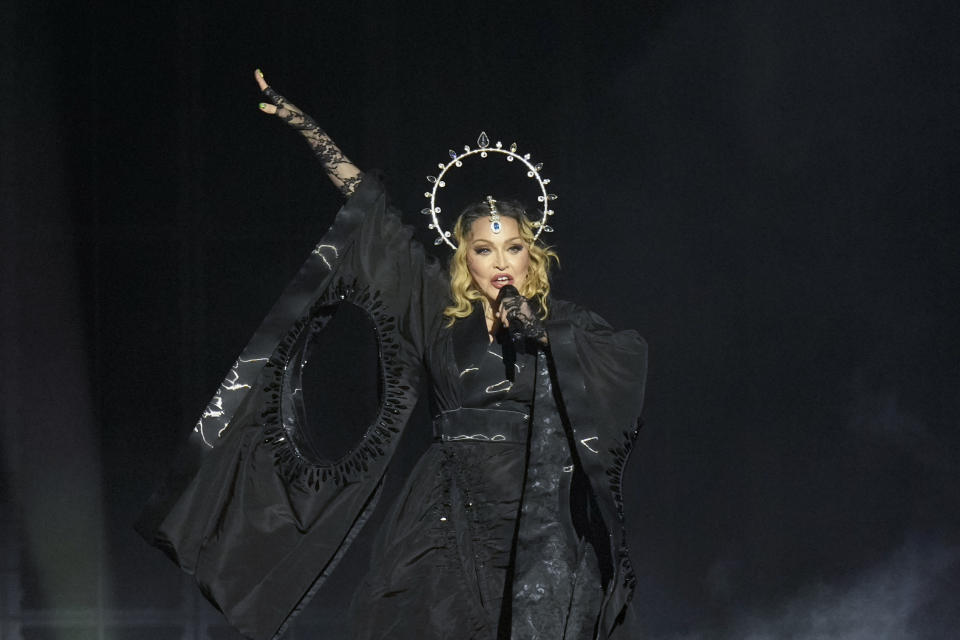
x: 502, y: 280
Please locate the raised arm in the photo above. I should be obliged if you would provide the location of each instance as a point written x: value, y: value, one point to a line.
x: 344, y: 174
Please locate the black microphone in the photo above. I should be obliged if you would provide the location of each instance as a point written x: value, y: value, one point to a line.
x: 508, y: 291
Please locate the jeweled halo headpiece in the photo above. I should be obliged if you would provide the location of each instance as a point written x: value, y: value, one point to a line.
x: 483, y: 150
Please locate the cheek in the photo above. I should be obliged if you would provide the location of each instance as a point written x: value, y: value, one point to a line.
x: 523, y: 264
x: 475, y: 267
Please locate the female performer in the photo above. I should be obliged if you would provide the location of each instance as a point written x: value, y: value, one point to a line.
x: 511, y: 524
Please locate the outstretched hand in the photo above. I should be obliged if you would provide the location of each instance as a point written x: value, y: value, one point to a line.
x: 343, y: 173
x: 262, y: 83
x: 281, y: 107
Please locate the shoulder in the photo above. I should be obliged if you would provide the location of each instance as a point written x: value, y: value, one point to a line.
x: 574, y: 316
x: 573, y: 313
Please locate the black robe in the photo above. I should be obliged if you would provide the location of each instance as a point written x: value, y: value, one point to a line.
x: 261, y: 522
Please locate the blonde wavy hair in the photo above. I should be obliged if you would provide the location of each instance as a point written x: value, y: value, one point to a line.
x: 463, y: 290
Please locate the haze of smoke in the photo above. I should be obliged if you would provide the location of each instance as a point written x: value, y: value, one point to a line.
x: 890, y: 601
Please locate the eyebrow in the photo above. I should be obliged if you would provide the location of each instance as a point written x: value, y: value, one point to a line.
x: 485, y: 241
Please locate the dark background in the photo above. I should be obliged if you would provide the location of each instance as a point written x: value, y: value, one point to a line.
x: 766, y: 190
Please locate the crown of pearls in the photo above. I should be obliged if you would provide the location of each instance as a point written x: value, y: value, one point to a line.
x: 483, y: 150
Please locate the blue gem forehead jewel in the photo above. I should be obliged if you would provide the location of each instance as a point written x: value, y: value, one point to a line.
x: 495, y: 225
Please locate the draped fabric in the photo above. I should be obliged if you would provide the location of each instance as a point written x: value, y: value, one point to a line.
x: 260, y: 517
x: 556, y: 577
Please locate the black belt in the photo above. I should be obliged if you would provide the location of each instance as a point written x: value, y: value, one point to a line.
x: 484, y: 425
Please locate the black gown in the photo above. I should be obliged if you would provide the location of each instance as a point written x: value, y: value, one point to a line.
x: 511, y: 524
x: 443, y: 566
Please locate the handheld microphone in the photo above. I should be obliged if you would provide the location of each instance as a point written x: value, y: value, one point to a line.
x: 508, y: 291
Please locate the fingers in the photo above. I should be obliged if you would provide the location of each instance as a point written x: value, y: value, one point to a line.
x: 258, y: 76
x: 525, y: 309
x: 262, y: 83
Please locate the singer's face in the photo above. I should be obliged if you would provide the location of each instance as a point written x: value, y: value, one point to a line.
x: 497, y: 259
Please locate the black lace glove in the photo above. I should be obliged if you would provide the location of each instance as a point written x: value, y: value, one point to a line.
x: 523, y: 320
x: 339, y: 168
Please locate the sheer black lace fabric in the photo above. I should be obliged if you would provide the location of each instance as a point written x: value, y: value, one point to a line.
x: 520, y: 313
x: 329, y: 154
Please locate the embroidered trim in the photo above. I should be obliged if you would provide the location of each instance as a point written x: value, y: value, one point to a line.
x: 619, y: 455
x: 395, y: 399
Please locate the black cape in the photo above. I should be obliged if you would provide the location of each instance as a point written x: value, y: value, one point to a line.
x: 260, y: 522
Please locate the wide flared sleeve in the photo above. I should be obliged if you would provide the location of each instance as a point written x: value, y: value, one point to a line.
x: 601, y: 374
x: 251, y: 509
